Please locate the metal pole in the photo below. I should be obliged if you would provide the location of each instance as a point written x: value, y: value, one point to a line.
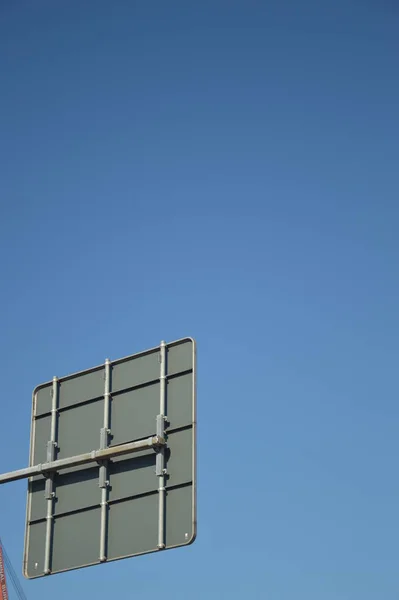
x: 104, y: 482
x: 51, y: 448
x: 160, y: 460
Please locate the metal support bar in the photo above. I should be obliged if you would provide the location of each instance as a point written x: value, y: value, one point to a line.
x: 82, y: 459
x: 51, y: 452
x: 160, y: 460
x: 103, y: 475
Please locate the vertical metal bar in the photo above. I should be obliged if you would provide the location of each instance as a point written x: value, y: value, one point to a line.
x: 51, y: 451
x: 160, y: 464
x: 104, y: 482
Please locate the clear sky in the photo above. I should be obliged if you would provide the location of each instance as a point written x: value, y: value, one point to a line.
x: 226, y: 170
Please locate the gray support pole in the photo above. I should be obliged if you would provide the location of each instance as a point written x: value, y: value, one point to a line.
x: 154, y: 442
x: 51, y: 451
x: 104, y: 480
x: 160, y: 460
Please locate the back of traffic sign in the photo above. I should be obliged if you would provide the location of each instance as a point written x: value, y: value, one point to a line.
x: 114, y: 455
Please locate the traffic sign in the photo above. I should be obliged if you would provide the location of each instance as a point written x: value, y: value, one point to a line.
x: 112, y: 461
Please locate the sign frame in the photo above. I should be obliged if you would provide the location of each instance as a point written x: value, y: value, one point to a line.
x: 157, y: 442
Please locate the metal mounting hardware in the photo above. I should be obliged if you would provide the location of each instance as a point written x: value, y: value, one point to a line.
x: 49, y: 494
x: 51, y: 450
x: 103, y: 482
x: 159, y: 472
x: 161, y: 422
x: 83, y: 459
x: 104, y: 437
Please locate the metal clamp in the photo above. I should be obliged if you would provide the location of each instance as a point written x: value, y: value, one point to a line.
x: 51, y: 450
x: 104, y: 437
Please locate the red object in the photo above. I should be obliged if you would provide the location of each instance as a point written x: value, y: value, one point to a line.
x: 3, y: 581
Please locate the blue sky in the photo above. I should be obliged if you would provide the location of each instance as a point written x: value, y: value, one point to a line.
x: 226, y: 170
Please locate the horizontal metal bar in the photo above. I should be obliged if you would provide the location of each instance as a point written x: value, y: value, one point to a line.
x: 154, y: 441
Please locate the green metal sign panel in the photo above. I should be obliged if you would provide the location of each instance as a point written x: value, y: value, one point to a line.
x: 113, y: 449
